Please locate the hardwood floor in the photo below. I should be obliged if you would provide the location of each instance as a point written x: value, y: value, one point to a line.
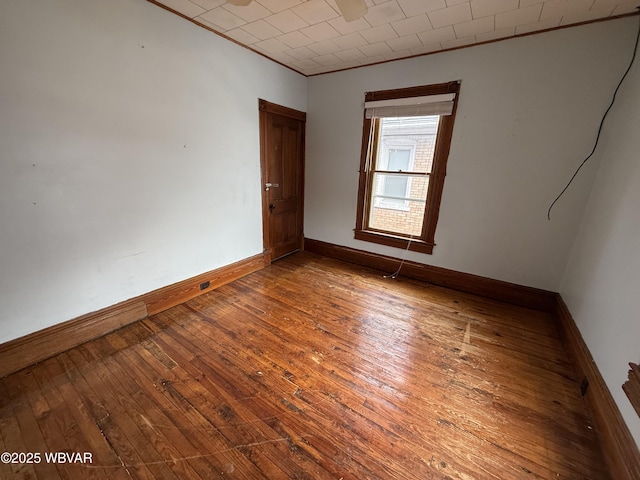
x: 310, y: 369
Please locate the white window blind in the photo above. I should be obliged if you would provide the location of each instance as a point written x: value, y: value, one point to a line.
x: 411, y: 107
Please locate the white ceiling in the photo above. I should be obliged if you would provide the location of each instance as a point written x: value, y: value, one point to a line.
x: 311, y: 37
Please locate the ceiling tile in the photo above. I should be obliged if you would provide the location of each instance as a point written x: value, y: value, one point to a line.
x: 346, y: 42
x: 458, y: 42
x: 369, y: 3
x: 528, y: 3
x: 239, y: 35
x: 400, y: 54
x: 559, y: 8
x: 351, y: 54
x: 592, y: 14
x: 411, y: 25
x: 282, y: 57
x: 518, y: 17
x: 451, y: 3
x: 279, y: 5
x: 314, y: 11
x: 416, y: 7
x: 250, y: 13
x: 295, y: 39
x: 426, y: 49
x: 629, y: 6
x: 450, y: 15
x: 376, y: 49
x: 300, y: 53
x: 317, y: 70
x: 611, y: 3
x: 208, y: 25
x: 534, y: 26
x: 271, y: 45
x: 474, y: 27
x: 304, y: 64
x: 373, y: 59
x: 286, y: 21
x: 209, y: 4
x: 484, y: 8
x: 327, y: 60
x: 436, y: 36
x: 223, y: 18
x: 349, y: 27
x: 384, y: 13
x: 404, y: 43
x: 496, y: 34
x: 321, y: 31
x: 379, y: 34
x: 324, y: 48
x: 261, y: 29
x: 185, y: 7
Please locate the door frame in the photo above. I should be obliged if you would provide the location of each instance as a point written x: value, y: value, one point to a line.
x: 265, y: 108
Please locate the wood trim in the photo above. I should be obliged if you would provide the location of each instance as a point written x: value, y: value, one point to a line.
x: 632, y: 387
x: 267, y: 250
x: 529, y: 297
x: 35, y: 347
x: 265, y: 106
x: 619, y: 448
x: 409, y: 92
x: 440, y: 159
x: 172, y: 295
x: 382, y: 238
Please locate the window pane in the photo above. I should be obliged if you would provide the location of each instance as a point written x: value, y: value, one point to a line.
x: 395, y: 186
x: 402, y: 210
x: 399, y: 159
x: 398, y: 201
x: 419, y: 132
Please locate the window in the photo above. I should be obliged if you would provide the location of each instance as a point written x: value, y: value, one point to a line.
x: 392, y: 191
x: 405, y: 145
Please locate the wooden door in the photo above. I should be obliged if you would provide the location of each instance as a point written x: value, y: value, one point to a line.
x: 282, y: 164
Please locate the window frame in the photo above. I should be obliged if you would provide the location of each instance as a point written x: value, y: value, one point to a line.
x: 370, y: 136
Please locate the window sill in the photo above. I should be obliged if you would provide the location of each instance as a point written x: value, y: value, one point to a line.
x: 416, y: 245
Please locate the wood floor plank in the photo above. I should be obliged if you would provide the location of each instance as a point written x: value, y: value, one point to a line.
x: 11, y: 431
x: 314, y: 369
x: 235, y: 396
x: 132, y: 449
x: 183, y: 411
x: 94, y: 440
x: 446, y: 374
x: 248, y: 349
x: 166, y: 418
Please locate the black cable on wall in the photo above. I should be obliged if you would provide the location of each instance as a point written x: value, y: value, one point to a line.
x: 613, y: 99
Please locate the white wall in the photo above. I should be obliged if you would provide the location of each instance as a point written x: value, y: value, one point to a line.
x: 602, y: 280
x: 129, y: 154
x: 527, y: 115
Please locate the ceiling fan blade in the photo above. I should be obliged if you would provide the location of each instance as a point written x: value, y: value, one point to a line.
x: 239, y: 3
x: 352, y: 9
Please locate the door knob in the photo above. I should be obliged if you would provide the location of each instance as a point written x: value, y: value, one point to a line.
x: 271, y: 207
x: 267, y: 186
